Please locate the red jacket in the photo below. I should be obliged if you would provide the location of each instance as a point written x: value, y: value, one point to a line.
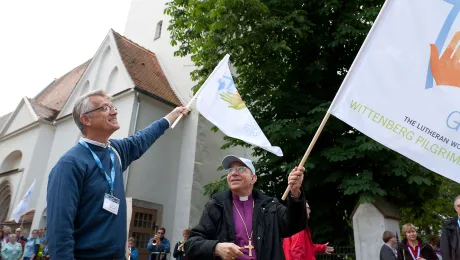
x: 301, y: 247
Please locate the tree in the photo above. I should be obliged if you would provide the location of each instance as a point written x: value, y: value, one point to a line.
x: 290, y: 58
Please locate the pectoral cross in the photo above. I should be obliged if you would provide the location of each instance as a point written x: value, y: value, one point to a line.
x: 250, y: 247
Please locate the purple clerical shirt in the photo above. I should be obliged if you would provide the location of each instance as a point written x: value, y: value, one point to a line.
x: 246, y: 210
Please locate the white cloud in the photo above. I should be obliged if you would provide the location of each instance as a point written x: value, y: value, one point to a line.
x: 43, y: 40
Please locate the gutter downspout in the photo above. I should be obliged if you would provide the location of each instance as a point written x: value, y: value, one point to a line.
x: 136, y: 117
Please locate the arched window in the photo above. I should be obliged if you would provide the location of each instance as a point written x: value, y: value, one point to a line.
x: 5, y: 200
x: 11, y: 162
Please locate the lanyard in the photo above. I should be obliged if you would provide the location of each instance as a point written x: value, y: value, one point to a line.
x: 458, y: 221
x: 99, y: 164
x: 412, y: 254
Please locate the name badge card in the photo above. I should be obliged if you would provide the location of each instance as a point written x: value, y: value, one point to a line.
x: 111, y: 204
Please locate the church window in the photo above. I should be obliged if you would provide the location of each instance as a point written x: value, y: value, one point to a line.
x: 158, y: 30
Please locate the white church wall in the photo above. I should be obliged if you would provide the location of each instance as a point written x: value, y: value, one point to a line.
x: 106, y: 71
x: 23, y: 118
x: 368, y: 227
x: 141, y: 26
x: 67, y: 135
x: 153, y: 178
x: 24, y: 143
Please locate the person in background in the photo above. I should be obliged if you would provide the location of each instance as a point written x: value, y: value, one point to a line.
x: 2, y: 235
x: 133, y: 253
x: 7, y: 232
x: 42, y: 235
x: 450, y: 244
x: 388, y: 250
x: 32, y: 246
x: 12, y: 250
x: 435, y: 243
x: 412, y: 247
x: 179, y: 252
x: 20, y: 239
x: 159, y: 244
x: 300, y: 246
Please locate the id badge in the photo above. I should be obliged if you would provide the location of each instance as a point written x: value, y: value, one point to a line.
x: 111, y: 204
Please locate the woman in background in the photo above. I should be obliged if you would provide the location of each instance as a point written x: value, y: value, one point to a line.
x: 412, y: 247
x: 179, y: 252
x: 12, y: 250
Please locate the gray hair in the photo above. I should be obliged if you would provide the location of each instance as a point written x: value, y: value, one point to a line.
x: 82, y: 106
x: 456, y: 198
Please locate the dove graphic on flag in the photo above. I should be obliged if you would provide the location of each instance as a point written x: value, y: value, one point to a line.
x: 23, y: 205
x: 219, y: 102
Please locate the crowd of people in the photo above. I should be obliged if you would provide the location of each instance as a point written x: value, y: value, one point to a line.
x: 15, y: 246
x: 445, y: 247
x: 86, y: 203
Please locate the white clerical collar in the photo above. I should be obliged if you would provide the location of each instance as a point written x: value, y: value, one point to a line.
x: 244, y: 198
x: 95, y: 142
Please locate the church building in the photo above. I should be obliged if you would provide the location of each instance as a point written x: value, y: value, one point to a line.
x: 147, y: 81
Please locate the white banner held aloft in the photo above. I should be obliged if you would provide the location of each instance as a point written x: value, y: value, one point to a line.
x: 23, y: 205
x: 219, y: 102
x: 403, y: 89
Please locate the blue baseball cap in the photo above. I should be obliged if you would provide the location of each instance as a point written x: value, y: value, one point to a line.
x: 229, y: 159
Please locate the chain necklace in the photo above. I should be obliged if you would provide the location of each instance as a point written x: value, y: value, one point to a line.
x: 249, y: 246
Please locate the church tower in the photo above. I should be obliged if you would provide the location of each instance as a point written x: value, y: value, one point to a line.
x: 147, y: 25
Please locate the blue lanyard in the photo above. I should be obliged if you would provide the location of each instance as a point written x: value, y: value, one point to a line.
x: 458, y: 221
x: 412, y: 254
x: 99, y: 164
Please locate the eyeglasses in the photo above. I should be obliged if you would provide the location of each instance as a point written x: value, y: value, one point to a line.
x: 105, y: 108
x: 239, y: 169
x: 160, y: 233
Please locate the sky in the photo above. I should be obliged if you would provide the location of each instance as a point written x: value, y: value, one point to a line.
x: 42, y: 40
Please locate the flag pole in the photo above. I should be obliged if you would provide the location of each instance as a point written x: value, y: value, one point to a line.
x: 196, y: 94
x: 310, y: 147
x: 326, y: 117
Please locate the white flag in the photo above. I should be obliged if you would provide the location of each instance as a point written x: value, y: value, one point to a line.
x: 23, y: 205
x: 403, y: 89
x: 219, y: 101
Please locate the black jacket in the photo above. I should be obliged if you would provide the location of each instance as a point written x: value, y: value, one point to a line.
x: 386, y: 253
x: 176, y: 253
x: 426, y: 251
x: 449, y: 240
x: 271, y: 223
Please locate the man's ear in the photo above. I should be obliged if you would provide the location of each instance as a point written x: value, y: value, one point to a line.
x: 85, y: 120
x: 254, y: 179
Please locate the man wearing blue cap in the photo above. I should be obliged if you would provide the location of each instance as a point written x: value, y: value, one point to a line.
x: 243, y: 223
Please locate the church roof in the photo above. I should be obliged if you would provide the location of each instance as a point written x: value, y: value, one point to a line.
x: 145, y: 70
x: 56, y: 94
x: 43, y: 111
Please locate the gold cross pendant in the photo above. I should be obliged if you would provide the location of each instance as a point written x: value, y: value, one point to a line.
x: 250, y: 247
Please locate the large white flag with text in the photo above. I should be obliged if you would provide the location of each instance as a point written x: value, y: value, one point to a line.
x: 219, y: 102
x: 403, y: 89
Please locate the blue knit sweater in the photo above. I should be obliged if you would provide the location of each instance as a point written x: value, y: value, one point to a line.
x: 77, y: 225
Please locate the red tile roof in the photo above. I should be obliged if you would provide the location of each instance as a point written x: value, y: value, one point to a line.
x: 43, y: 111
x: 144, y: 69
x: 56, y: 94
x: 141, y: 64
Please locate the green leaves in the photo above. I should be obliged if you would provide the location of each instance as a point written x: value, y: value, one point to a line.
x: 291, y: 57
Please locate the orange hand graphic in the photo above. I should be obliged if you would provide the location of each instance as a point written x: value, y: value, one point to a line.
x: 446, y: 69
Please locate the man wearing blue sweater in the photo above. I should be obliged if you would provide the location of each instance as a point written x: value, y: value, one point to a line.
x: 86, y: 205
